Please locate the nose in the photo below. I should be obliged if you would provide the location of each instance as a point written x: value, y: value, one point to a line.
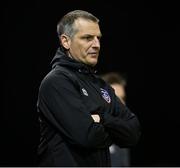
x: 96, y: 42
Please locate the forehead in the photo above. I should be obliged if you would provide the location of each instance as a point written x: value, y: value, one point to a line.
x: 85, y: 26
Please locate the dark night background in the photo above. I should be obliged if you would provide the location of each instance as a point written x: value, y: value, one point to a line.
x: 140, y: 39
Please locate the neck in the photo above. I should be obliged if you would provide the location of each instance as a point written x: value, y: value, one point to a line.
x: 69, y: 54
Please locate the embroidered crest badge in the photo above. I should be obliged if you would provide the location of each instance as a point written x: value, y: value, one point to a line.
x: 105, y: 95
x: 84, y: 92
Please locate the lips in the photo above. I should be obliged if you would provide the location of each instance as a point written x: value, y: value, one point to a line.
x: 93, y: 53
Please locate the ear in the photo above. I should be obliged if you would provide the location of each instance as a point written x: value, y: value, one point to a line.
x: 65, y: 41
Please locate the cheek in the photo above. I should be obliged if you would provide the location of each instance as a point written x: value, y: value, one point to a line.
x: 84, y: 50
x: 75, y: 49
x: 81, y: 49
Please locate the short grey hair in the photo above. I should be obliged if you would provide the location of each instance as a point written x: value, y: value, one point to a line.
x: 65, y: 25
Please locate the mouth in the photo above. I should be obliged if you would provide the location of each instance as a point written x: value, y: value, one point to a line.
x: 93, y: 54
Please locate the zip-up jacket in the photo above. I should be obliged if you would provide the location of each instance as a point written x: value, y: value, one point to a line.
x: 68, y: 95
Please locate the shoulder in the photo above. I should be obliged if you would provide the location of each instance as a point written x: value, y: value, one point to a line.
x: 59, y: 76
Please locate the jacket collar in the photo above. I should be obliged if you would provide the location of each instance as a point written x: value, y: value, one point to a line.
x: 62, y: 59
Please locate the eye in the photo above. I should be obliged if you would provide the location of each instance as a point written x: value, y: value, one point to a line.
x: 99, y: 38
x: 89, y: 38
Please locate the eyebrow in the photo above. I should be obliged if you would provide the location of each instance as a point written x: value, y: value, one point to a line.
x: 90, y: 35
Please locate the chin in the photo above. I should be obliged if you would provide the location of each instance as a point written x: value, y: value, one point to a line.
x: 93, y: 63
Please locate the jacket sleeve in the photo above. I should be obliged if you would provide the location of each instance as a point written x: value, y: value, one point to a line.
x: 121, y: 123
x: 61, y: 104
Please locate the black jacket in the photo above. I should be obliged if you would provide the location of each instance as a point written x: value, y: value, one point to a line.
x: 68, y: 95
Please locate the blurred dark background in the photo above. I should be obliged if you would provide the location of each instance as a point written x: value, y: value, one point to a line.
x: 140, y: 39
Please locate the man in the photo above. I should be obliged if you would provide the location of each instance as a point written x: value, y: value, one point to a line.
x: 120, y: 157
x: 80, y: 116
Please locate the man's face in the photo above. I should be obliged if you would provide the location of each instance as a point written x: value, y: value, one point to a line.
x: 84, y: 46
